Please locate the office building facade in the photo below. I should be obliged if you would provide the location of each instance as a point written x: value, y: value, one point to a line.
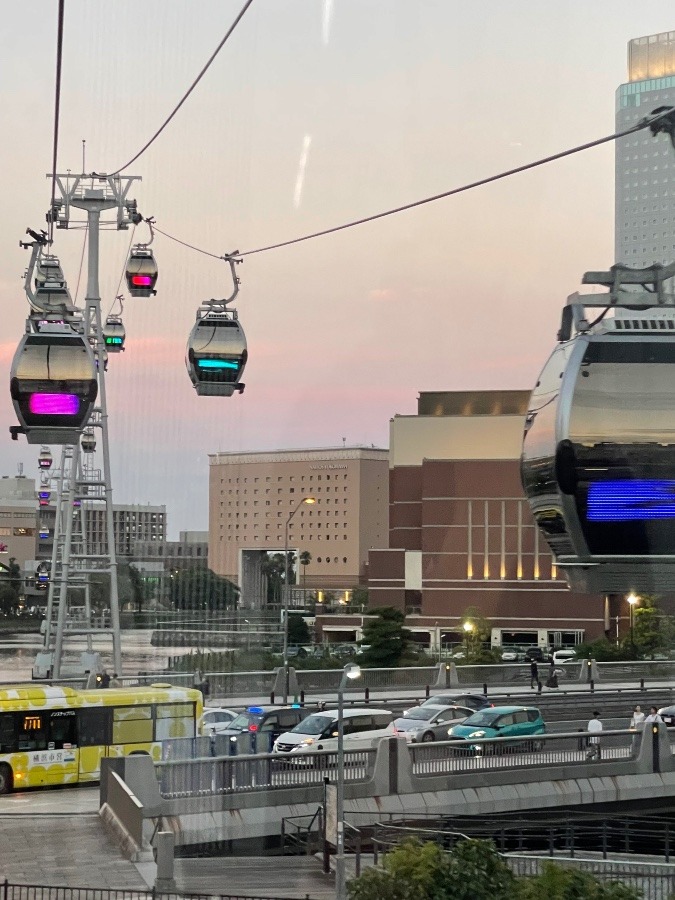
x: 645, y: 165
x: 255, y: 503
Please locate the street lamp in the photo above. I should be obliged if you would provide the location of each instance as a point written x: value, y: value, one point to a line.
x: 350, y: 671
x: 285, y: 604
x: 631, y: 599
x: 468, y: 631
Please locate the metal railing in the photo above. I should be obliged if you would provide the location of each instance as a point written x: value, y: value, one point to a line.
x: 10, y: 891
x: 312, y: 680
x: 538, y: 751
x: 261, y: 772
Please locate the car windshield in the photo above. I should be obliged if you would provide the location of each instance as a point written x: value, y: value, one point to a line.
x: 313, y: 725
x: 422, y: 712
x: 484, y: 717
x: 244, y: 721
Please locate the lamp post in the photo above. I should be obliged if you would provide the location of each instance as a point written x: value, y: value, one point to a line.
x: 631, y: 599
x: 285, y: 589
x: 350, y: 671
x: 468, y: 631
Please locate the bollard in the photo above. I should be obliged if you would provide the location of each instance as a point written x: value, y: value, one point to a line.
x: 302, y: 698
x: 367, y: 695
x: 272, y: 699
x: 164, y: 880
x: 485, y: 688
x: 539, y: 687
x: 427, y: 692
x: 592, y: 685
x: 642, y: 684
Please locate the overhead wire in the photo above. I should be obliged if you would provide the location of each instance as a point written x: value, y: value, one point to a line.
x: 642, y: 124
x: 194, y: 84
x: 57, y: 110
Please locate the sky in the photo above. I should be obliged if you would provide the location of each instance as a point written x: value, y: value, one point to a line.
x: 316, y: 112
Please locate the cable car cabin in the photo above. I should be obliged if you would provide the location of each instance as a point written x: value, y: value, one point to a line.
x: 598, y: 462
x: 114, y: 334
x: 51, y: 290
x: 53, y: 385
x: 45, y: 458
x: 141, y: 272
x: 216, y: 354
x: 88, y: 442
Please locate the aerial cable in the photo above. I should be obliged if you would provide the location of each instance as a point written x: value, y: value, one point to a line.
x: 664, y: 113
x: 189, y: 90
x: 57, y: 106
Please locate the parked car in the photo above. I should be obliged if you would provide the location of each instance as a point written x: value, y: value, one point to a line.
x: 564, y: 656
x: 473, y: 701
x: 536, y: 654
x: 429, y: 723
x: 362, y: 729
x: 215, y: 720
x: 510, y: 656
x: 500, y: 721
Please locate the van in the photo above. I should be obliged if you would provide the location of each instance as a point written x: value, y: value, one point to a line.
x: 363, y: 728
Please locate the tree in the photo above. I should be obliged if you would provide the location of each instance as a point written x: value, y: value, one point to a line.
x: 140, y: 591
x: 473, y: 870
x: 558, y: 883
x: 298, y: 630
x: 305, y: 559
x: 652, y: 629
x: 202, y: 589
x: 10, y: 586
x: 414, y: 871
x: 273, y: 568
x: 385, y: 638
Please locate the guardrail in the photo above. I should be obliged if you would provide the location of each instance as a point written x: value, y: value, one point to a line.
x: 260, y: 772
x: 539, y: 751
x: 9, y: 891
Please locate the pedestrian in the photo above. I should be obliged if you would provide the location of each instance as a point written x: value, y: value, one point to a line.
x: 594, y: 727
x: 115, y: 682
x: 534, y: 674
x: 653, y: 716
x: 104, y: 679
x: 637, y: 722
x: 552, y: 680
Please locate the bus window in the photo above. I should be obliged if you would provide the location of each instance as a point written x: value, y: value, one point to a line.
x: 94, y: 726
x: 132, y: 725
x: 32, y: 731
x: 174, y: 720
x: 7, y: 733
x: 62, y: 729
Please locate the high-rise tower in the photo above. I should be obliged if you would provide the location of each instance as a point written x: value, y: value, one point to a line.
x: 645, y: 166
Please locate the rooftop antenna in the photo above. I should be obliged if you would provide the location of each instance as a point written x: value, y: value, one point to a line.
x: 84, y: 144
x: 20, y: 469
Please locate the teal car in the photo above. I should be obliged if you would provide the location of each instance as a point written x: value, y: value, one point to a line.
x: 501, y: 722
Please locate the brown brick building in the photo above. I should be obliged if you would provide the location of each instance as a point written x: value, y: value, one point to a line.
x: 461, y: 534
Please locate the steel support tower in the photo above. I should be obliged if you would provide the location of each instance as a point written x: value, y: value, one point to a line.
x: 83, y: 488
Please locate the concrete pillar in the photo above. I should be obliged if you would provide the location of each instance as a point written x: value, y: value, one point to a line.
x: 293, y: 689
x: 164, y: 846
x: 590, y: 672
x: 446, y: 675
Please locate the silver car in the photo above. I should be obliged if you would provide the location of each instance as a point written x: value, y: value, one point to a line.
x: 429, y: 723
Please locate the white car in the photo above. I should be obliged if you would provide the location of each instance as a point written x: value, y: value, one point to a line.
x: 216, y: 719
x: 509, y: 656
x: 564, y: 656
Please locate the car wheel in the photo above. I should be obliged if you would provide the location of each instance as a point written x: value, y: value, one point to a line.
x: 6, y: 779
x: 427, y: 737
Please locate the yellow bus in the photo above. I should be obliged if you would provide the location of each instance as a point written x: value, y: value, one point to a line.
x: 58, y: 735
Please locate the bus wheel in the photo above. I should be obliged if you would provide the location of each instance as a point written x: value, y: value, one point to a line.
x: 6, y: 780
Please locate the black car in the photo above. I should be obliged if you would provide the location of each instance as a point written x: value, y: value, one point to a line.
x: 473, y: 701
x: 264, y: 724
x: 535, y: 654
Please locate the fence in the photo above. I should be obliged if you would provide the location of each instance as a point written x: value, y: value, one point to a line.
x: 9, y: 891
x: 262, y: 772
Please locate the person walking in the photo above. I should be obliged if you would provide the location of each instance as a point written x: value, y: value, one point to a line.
x: 653, y: 716
x: 534, y: 674
x: 552, y: 680
x: 594, y: 727
x: 637, y: 724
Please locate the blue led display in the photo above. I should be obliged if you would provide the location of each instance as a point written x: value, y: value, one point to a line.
x: 217, y: 364
x: 623, y: 501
